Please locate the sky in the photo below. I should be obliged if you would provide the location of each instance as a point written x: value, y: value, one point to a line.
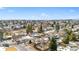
x: 39, y: 13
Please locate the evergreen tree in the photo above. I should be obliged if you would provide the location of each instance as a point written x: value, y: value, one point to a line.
x: 72, y: 26
x: 66, y: 39
x: 57, y: 27
x: 70, y: 36
x: 29, y: 28
x: 53, y: 44
x: 1, y: 36
x: 52, y: 25
x: 40, y: 30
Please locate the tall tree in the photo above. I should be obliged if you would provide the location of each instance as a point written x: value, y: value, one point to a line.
x: 57, y: 27
x: 29, y: 28
x: 1, y: 36
x: 53, y: 44
x: 40, y: 30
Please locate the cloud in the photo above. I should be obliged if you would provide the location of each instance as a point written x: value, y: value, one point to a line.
x: 41, y: 16
x: 45, y: 16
